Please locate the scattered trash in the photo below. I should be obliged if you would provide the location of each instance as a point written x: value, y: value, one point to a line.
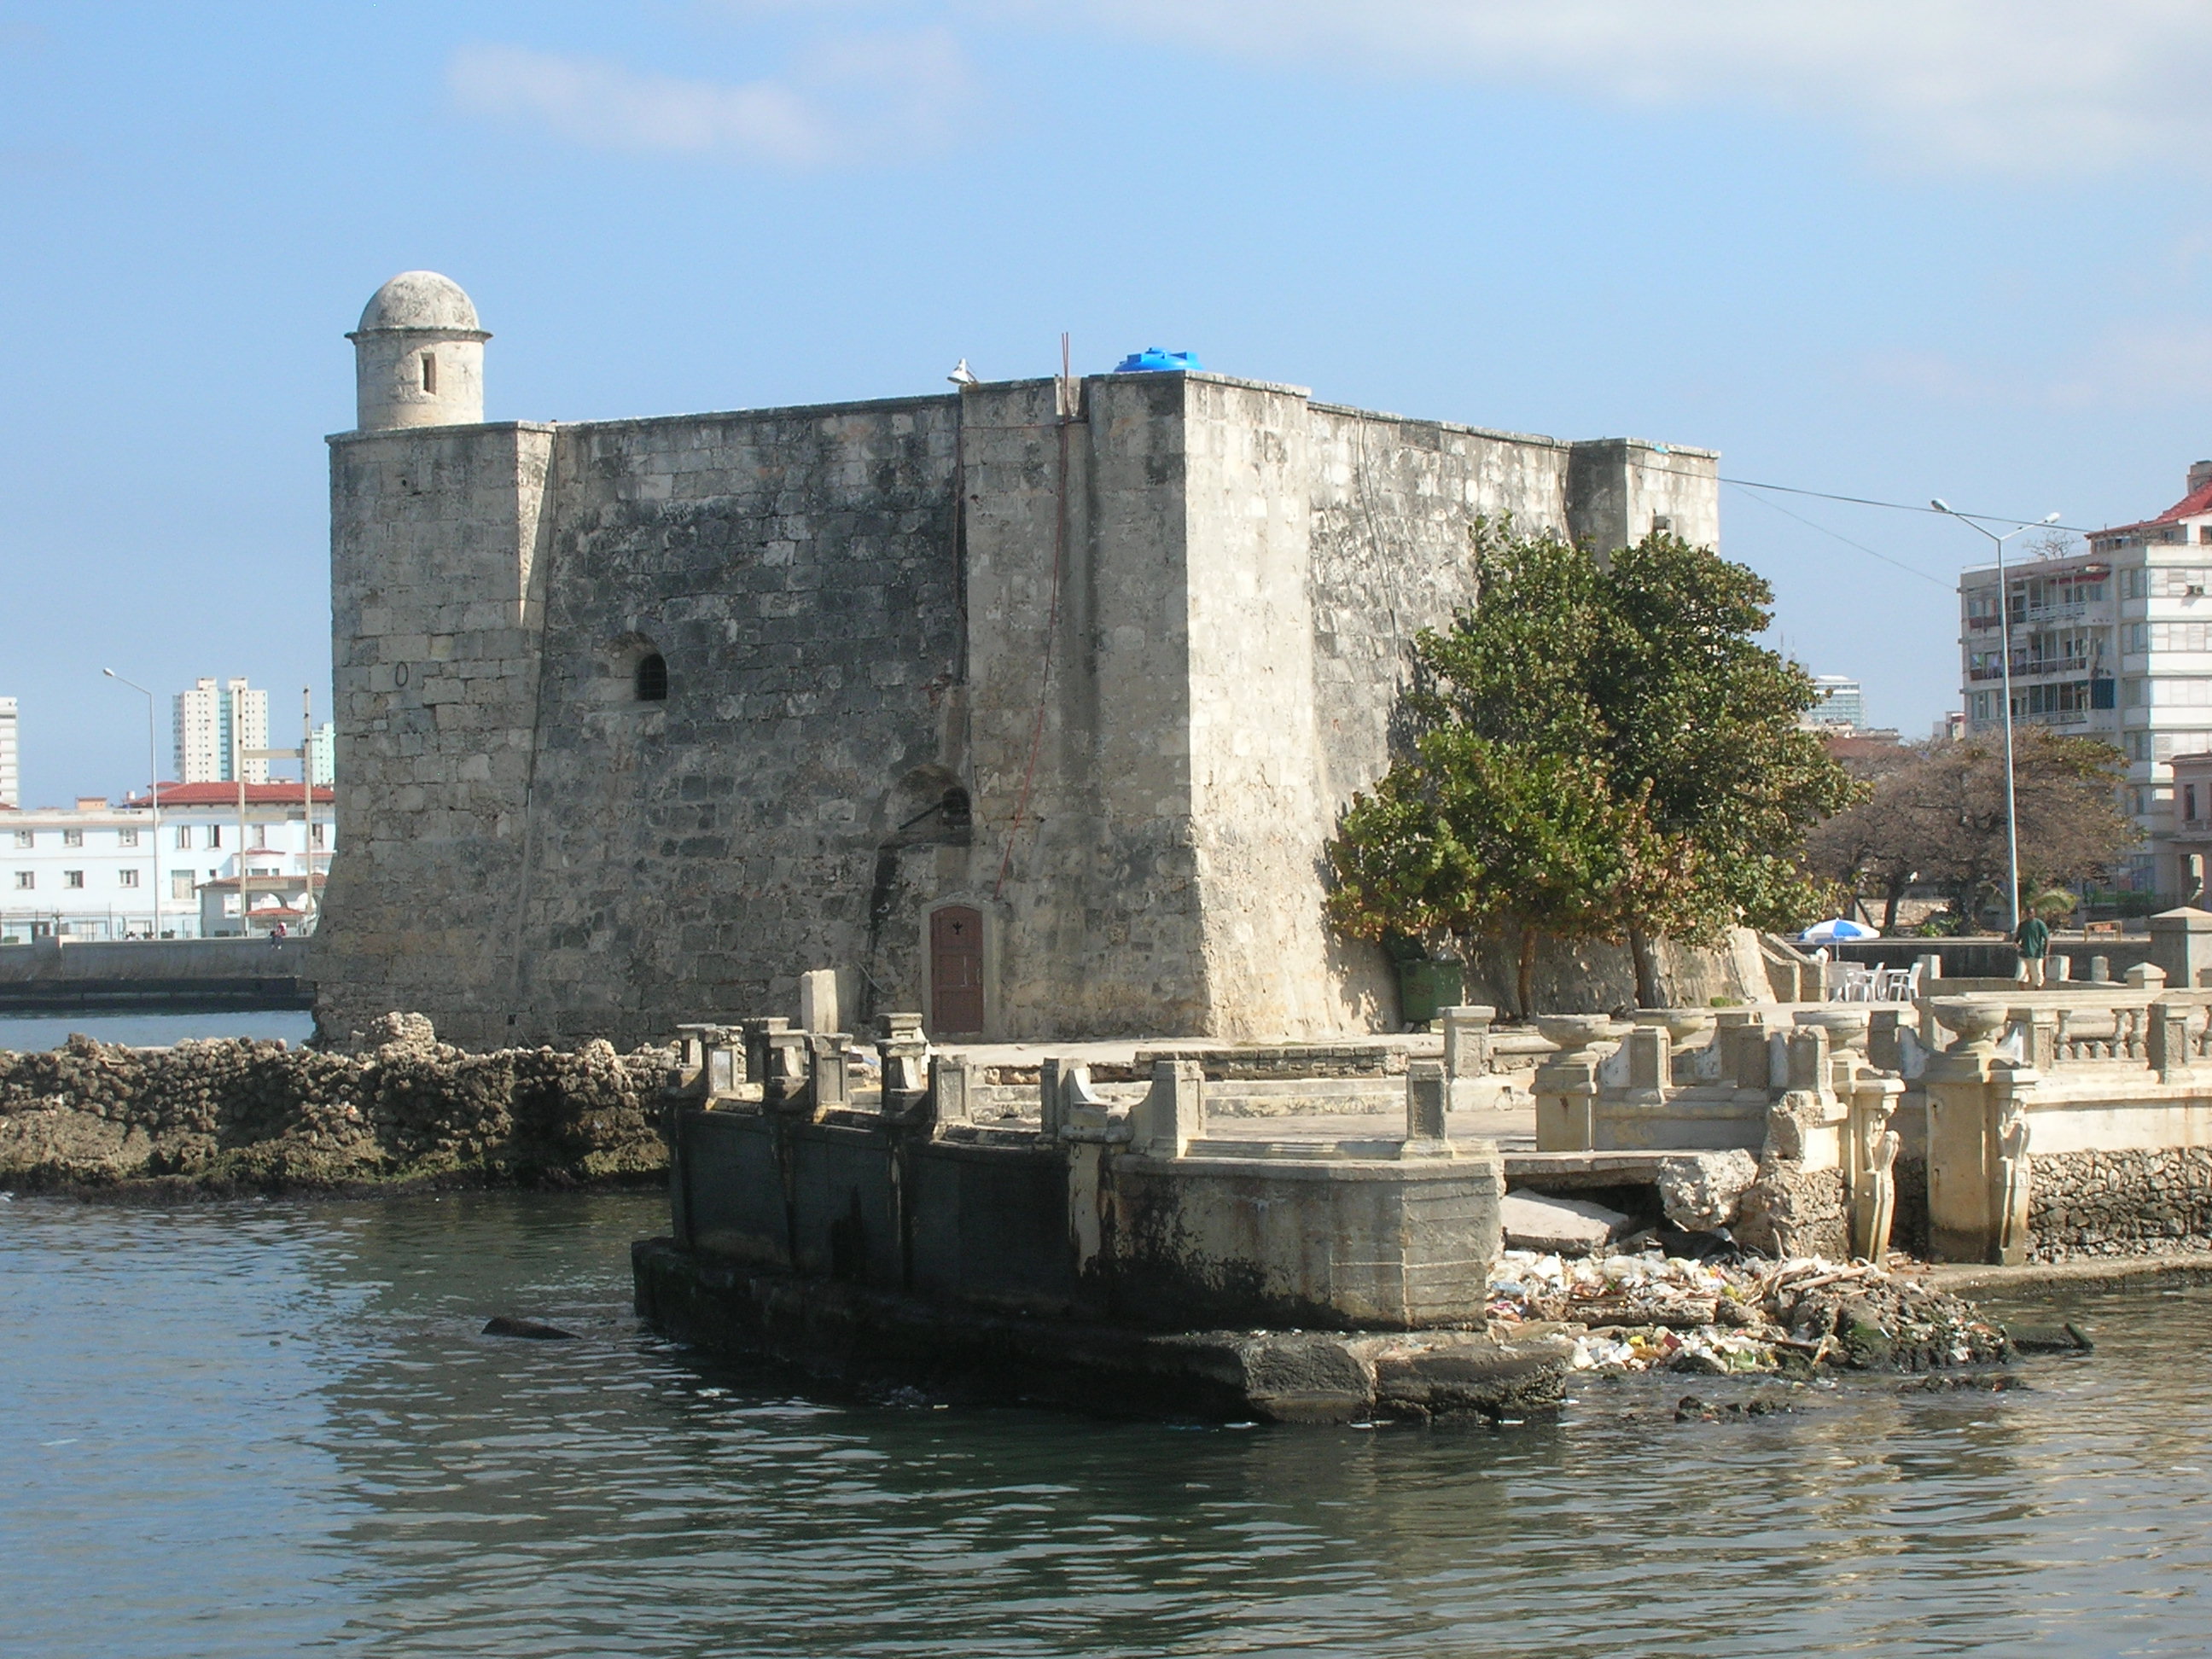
x: 1640, y: 1313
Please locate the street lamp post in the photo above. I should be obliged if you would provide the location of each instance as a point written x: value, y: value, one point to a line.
x: 154, y: 784
x: 2004, y: 657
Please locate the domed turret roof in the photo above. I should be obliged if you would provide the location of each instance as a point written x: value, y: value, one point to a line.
x: 419, y: 299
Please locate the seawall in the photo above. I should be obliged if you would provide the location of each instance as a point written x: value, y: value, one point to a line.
x: 175, y: 975
x: 232, y: 1114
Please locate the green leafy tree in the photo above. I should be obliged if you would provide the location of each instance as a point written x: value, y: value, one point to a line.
x: 1476, y: 836
x: 1695, y: 711
x: 1599, y: 751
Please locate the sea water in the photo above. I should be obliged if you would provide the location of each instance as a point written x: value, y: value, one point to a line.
x: 275, y: 1428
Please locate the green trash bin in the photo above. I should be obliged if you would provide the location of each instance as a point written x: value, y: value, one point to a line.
x: 1425, y: 988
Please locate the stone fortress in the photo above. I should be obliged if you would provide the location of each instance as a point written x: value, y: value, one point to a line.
x: 1032, y: 704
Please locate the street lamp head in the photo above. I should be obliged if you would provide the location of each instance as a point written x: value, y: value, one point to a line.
x: 2048, y: 517
x: 1939, y: 504
x: 110, y: 672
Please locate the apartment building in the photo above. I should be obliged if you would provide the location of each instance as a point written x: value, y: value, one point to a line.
x: 1843, y: 703
x: 215, y: 724
x: 2114, y: 643
x: 11, y: 767
x: 93, y: 871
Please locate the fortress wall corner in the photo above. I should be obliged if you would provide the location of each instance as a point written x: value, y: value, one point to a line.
x: 433, y: 590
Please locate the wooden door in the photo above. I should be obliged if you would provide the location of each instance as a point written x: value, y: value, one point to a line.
x: 955, y: 970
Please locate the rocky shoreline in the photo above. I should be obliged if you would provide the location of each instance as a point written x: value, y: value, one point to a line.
x: 217, y: 1117
x: 1651, y: 1312
x: 1552, y: 1322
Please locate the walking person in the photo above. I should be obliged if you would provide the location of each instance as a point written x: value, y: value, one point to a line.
x: 2034, y: 941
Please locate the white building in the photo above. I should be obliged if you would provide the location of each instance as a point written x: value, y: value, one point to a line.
x: 1843, y: 703
x: 322, y: 753
x: 11, y: 772
x: 214, y: 725
x: 93, y: 871
x: 2114, y: 643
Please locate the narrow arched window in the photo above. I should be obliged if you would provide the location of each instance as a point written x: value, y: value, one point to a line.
x: 653, y: 677
x: 430, y: 373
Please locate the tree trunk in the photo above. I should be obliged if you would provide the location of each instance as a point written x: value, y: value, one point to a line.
x: 1889, y: 907
x: 1648, y: 993
x: 1525, y: 971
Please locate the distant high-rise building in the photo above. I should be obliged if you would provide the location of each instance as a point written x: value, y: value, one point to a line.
x: 1842, y: 702
x: 322, y: 753
x: 2113, y: 642
x: 11, y: 777
x: 215, y: 725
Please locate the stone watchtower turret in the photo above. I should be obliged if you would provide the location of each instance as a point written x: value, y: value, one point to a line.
x: 418, y: 356
x: 435, y: 615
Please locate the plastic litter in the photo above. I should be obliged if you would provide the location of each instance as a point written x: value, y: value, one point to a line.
x: 1153, y: 361
x: 1635, y: 1313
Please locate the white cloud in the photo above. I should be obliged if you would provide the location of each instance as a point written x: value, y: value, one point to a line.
x: 2144, y: 361
x: 846, y: 99
x: 2032, y: 86
x: 2126, y: 365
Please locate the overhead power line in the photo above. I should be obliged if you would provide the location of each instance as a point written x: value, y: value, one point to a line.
x: 1870, y: 501
x: 1900, y: 507
x: 1915, y: 570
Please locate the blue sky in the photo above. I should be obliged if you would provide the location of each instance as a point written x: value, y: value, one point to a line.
x: 1953, y: 247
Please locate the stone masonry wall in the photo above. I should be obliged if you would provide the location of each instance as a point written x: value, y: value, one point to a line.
x: 689, y: 858
x: 1392, y: 503
x: 1256, y: 780
x: 536, y: 853
x: 436, y: 618
x: 2123, y: 1203
x: 1078, y: 729
x: 1159, y: 642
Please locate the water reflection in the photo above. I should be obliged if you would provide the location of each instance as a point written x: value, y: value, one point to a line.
x: 287, y: 1435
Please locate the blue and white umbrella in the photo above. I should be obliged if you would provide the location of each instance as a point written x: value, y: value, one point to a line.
x: 1827, y: 932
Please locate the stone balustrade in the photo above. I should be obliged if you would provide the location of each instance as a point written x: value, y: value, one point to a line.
x: 1803, y: 1095
x: 1994, y: 1125
x: 1990, y: 1126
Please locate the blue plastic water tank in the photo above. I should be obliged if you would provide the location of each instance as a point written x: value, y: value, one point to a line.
x: 1152, y: 360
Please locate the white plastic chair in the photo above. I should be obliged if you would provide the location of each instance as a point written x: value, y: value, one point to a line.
x: 1894, y: 984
